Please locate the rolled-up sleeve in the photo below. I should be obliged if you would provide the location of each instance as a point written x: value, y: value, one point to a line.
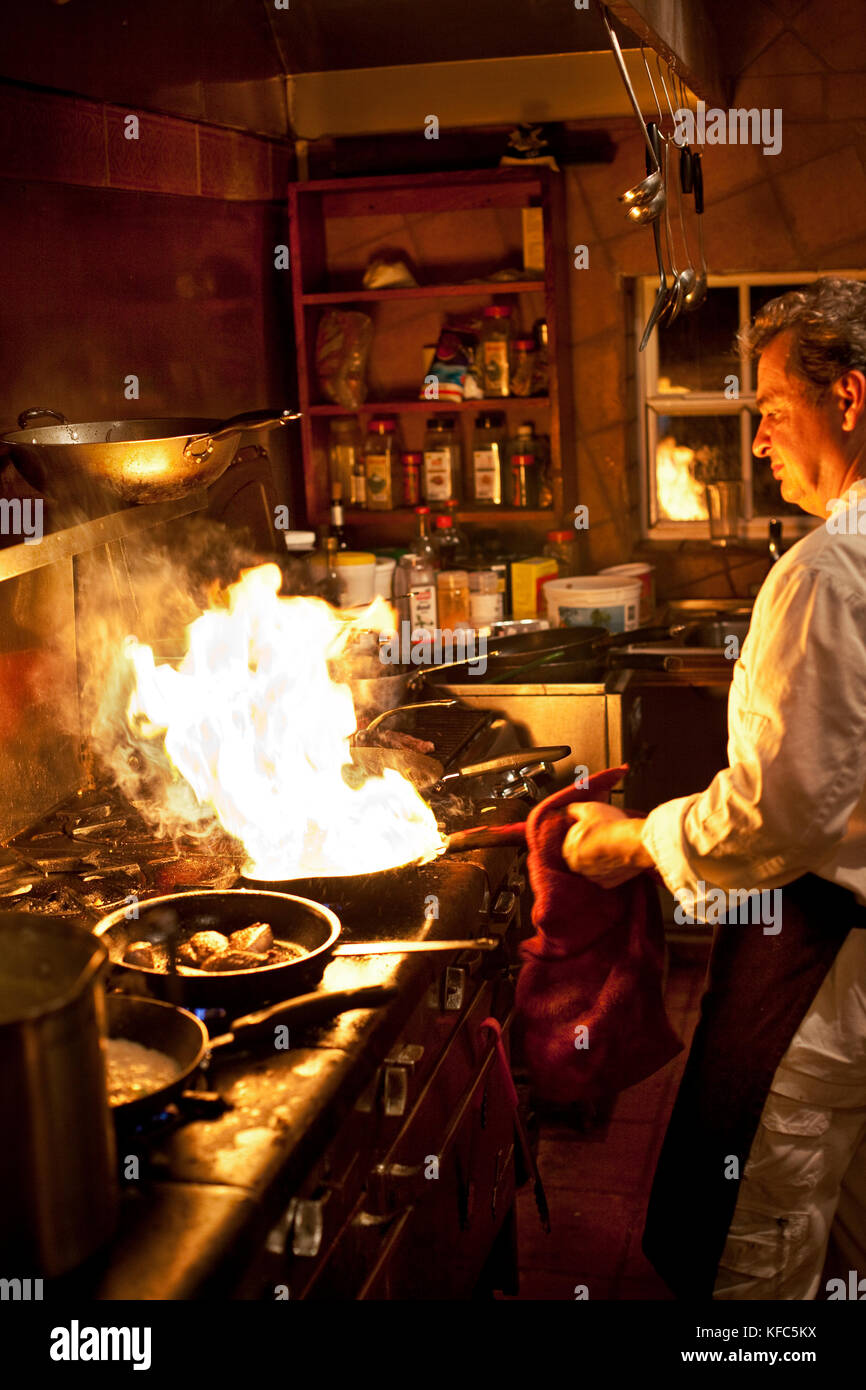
x: 796, y: 748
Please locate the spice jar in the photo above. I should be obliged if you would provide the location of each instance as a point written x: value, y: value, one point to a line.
x: 561, y: 546
x: 494, y: 350
x: 442, y: 468
x: 488, y: 456
x: 522, y: 366
x: 411, y: 479
x: 524, y: 481
x: 381, y: 464
x: 485, y: 600
x: 541, y: 361
x: 452, y: 592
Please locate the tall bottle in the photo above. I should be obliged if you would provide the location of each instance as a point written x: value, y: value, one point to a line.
x: 452, y: 545
x: 415, y: 594
x: 338, y: 528
x: 345, y: 456
x: 422, y: 545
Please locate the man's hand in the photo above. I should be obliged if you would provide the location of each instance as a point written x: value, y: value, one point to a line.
x: 604, y: 844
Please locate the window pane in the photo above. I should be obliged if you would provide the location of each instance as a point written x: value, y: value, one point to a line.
x: 767, y: 497
x: 759, y: 295
x: 698, y: 351
x: 680, y: 495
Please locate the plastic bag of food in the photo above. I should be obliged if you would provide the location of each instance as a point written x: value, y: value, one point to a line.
x: 342, y: 349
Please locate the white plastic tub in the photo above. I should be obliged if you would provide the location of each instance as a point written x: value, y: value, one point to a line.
x: 645, y: 575
x: 593, y: 600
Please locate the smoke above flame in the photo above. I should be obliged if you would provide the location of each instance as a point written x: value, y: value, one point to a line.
x: 253, y: 724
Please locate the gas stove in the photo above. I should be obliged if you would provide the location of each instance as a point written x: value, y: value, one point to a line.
x: 94, y: 852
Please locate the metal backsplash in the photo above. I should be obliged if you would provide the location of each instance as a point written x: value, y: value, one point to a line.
x: 42, y: 721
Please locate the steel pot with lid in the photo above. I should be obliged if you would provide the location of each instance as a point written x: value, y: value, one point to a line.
x: 58, y: 1180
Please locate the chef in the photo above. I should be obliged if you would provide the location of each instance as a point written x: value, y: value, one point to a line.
x: 766, y: 1149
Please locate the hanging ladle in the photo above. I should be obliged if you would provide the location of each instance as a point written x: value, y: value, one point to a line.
x: 661, y: 298
x: 684, y: 280
x: 646, y: 192
x: 695, y: 298
x: 646, y: 199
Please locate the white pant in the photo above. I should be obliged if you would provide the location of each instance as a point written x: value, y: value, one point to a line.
x: 806, y: 1170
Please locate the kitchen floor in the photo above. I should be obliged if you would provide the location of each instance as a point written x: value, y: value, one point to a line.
x: 598, y: 1187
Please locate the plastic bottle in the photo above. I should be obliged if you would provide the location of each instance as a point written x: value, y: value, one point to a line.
x: 452, y: 588
x: 452, y: 545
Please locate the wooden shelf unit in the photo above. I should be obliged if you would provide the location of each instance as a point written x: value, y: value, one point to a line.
x: 466, y: 222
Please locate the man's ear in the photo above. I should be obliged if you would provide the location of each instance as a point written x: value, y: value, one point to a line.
x: 850, y: 392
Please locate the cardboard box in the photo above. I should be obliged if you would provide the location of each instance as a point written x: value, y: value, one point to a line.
x: 533, y: 239
x: 527, y: 578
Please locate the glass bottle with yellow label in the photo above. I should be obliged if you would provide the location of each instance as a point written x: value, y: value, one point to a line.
x: 382, y: 464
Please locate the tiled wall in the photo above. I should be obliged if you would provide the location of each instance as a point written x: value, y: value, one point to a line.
x: 152, y: 257
x: 67, y: 140
x: 803, y: 209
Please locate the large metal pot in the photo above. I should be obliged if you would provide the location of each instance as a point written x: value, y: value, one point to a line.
x: 128, y: 461
x: 58, y: 1183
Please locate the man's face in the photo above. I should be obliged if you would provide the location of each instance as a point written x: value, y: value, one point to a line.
x: 797, y: 435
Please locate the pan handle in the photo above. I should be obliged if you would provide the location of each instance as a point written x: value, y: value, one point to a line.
x: 401, y: 709
x: 408, y: 948
x: 27, y: 415
x: 255, y: 420
x: 305, y: 1011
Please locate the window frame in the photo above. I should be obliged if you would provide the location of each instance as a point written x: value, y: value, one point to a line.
x: 650, y: 407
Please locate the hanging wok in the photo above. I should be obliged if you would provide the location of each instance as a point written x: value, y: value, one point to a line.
x: 128, y: 461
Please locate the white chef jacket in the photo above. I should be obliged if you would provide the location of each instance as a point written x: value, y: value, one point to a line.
x: 793, y: 798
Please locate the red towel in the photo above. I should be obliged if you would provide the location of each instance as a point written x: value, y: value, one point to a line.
x: 589, y: 996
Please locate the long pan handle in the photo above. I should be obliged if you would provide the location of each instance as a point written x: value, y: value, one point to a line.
x: 410, y: 948
x: 305, y: 1011
x: 487, y: 837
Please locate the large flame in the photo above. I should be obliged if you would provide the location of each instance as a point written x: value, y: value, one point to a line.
x: 253, y: 721
x: 680, y: 496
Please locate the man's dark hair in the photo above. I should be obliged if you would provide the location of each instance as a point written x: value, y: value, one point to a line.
x: 827, y: 320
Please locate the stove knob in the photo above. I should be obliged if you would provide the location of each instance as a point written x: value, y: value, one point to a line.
x: 395, y: 1090
x: 454, y: 989
x: 308, y: 1227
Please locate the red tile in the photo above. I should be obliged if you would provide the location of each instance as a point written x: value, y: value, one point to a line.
x: 162, y: 159
x: 589, y: 1236
x: 234, y: 166
x: 45, y: 137
x: 617, y: 1164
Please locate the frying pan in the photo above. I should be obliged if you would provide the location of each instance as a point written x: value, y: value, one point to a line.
x: 128, y: 460
x: 583, y: 650
x: 183, y: 1038
x: 293, y: 919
